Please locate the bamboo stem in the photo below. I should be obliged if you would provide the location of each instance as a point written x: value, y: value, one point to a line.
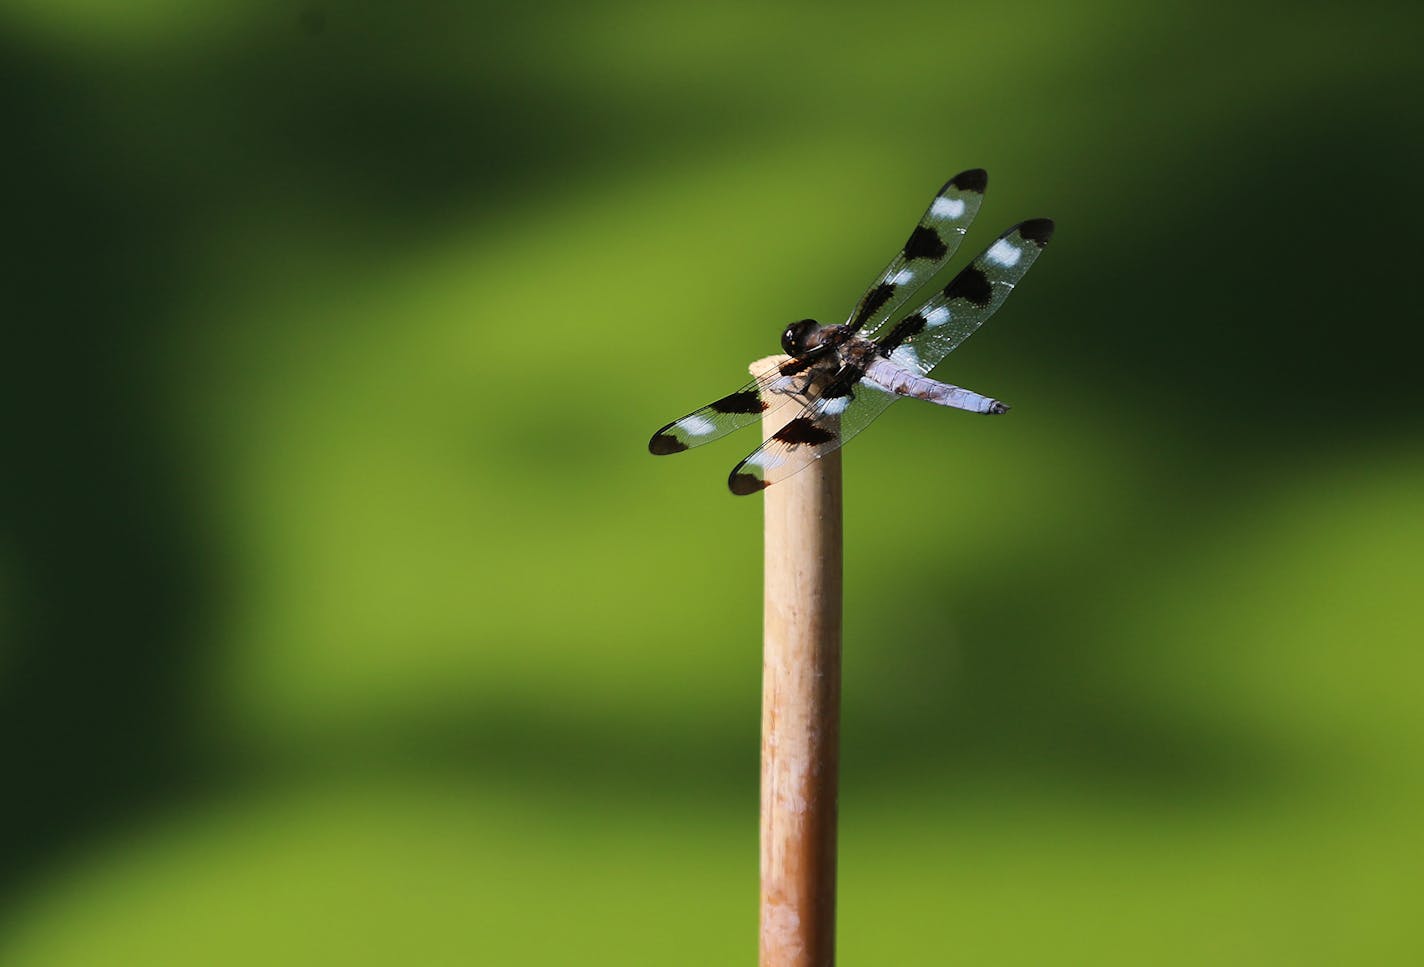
x: 801, y: 685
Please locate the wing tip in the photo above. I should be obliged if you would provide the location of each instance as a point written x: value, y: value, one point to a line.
x: 664, y: 443
x: 745, y: 484
x: 975, y: 179
x: 1037, y: 230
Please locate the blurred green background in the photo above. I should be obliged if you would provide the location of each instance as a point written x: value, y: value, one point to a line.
x: 347, y: 620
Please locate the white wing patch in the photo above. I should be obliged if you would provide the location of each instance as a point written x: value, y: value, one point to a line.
x: 905, y: 356
x: 765, y: 460
x: 874, y: 385
x: 947, y: 207
x: 937, y: 317
x: 835, y: 405
x: 1003, y: 253
x: 695, y: 425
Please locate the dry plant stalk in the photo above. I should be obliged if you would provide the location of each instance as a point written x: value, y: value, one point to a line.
x: 801, y: 686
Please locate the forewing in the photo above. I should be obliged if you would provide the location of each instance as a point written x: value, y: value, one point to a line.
x: 925, y: 252
x: 848, y: 405
x: 923, y: 338
x: 765, y: 394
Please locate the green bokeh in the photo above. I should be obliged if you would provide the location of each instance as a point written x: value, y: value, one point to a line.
x: 347, y: 619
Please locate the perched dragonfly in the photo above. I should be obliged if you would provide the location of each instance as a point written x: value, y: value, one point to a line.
x: 843, y: 377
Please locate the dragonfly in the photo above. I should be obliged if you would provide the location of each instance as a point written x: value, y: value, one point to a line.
x: 842, y: 377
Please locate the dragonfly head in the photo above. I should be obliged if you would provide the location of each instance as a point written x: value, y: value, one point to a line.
x: 797, y: 337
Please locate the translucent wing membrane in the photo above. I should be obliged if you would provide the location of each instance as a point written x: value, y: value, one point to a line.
x: 922, y: 339
x: 925, y: 252
x: 848, y: 405
x: 762, y: 395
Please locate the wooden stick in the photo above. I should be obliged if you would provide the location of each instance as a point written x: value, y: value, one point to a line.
x: 800, y: 719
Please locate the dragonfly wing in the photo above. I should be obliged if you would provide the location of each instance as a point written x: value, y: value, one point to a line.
x: 932, y: 244
x: 765, y: 394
